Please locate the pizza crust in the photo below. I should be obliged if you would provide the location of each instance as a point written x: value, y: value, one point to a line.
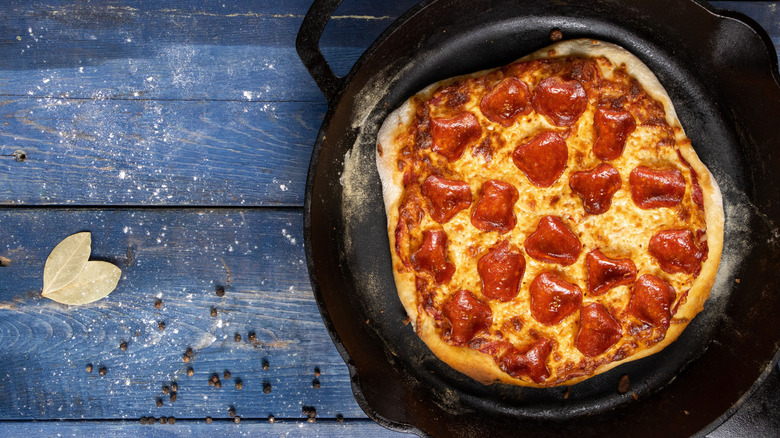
x: 482, y: 367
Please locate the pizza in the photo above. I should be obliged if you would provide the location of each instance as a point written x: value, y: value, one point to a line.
x: 549, y: 219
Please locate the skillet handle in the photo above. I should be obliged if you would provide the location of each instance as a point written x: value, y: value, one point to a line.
x: 308, y: 47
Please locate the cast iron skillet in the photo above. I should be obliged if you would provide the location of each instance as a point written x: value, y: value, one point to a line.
x: 721, y: 72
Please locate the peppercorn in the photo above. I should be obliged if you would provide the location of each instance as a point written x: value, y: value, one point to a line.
x: 208, y: 420
x: 211, y: 383
x: 271, y: 419
x: 237, y: 419
x: 315, y: 384
x: 102, y: 371
x: 185, y: 358
x: 218, y: 384
x: 123, y: 346
x: 316, y: 371
x: 89, y: 368
x: 173, y: 397
x: 237, y: 337
x: 174, y: 387
x: 163, y: 420
x: 232, y: 412
x: 161, y: 326
x: 252, y: 337
x: 190, y: 372
x: 214, y: 378
x: 265, y: 364
x: 227, y: 374
x: 220, y: 291
x: 266, y: 388
x: 311, y: 419
x: 165, y: 390
x: 339, y: 418
x: 158, y: 304
x: 188, y: 352
x: 159, y: 402
x: 171, y: 420
x: 239, y: 385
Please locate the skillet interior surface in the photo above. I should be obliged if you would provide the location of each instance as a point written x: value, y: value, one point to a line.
x: 723, y: 82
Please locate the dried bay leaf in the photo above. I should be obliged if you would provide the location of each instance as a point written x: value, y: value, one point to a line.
x: 95, y: 281
x: 70, y: 278
x: 66, y: 261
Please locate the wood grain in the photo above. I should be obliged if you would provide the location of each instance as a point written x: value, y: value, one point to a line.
x: 180, y: 257
x: 137, y: 110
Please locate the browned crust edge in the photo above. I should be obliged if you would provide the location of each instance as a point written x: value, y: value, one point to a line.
x: 482, y: 367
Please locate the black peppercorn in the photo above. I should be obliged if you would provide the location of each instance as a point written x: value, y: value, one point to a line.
x: 252, y: 337
x: 89, y: 368
x: 213, y: 312
x: 158, y: 304
x: 237, y: 337
x: 161, y: 326
x: 165, y: 390
x: 123, y: 346
x: 271, y: 419
x: 232, y: 412
x: 265, y: 364
x: 190, y: 372
x: 227, y: 374
x: 208, y: 420
x: 220, y: 291
x: 239, y: 385
x: 171, y: 420
x: 102, y: 371
x: 315, y: 384
x: 266, y: 388
x: 173, y: 397
x: 159, y: 402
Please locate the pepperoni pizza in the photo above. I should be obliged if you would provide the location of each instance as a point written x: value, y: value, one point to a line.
x: 549, y: 219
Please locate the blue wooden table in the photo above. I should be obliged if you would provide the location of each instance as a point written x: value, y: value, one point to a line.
x: 179, y: 132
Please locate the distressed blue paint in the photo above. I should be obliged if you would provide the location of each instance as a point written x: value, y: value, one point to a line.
x: 108, y: 152
x: 177, y: 103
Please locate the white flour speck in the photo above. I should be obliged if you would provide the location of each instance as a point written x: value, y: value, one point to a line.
x: 122, y: 174
x: 248, y: 95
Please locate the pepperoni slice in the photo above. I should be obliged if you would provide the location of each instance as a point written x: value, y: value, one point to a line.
x: 446, y: 197
x: 596, y: 187
x: 612, y: 129
x: 494, y: 209
x: 553, y: 298
x: 604, y: 272
x: 467, y: 316
x: 652, y: 300
x: 452, y: 135
x: 501, y: 271
x: 506, y: 101
x: 553, y: 242
x: 531, y: 362
x: 542, y: 159
x: 677, y: 251
x: 561, y: 101
x: 653, y: 188
x: 598, y: 330
x: 431, y: 257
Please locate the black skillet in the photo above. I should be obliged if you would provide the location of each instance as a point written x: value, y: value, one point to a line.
x: 721, y: 72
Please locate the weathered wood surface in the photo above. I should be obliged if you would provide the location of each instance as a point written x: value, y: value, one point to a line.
x: 135, y: 110
x: 173, y: 103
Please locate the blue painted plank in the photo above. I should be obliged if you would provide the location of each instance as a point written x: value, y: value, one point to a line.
x: 180, y: 257
x: 175, y: 49
x: 97, y: 152
x: 198, y: 428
